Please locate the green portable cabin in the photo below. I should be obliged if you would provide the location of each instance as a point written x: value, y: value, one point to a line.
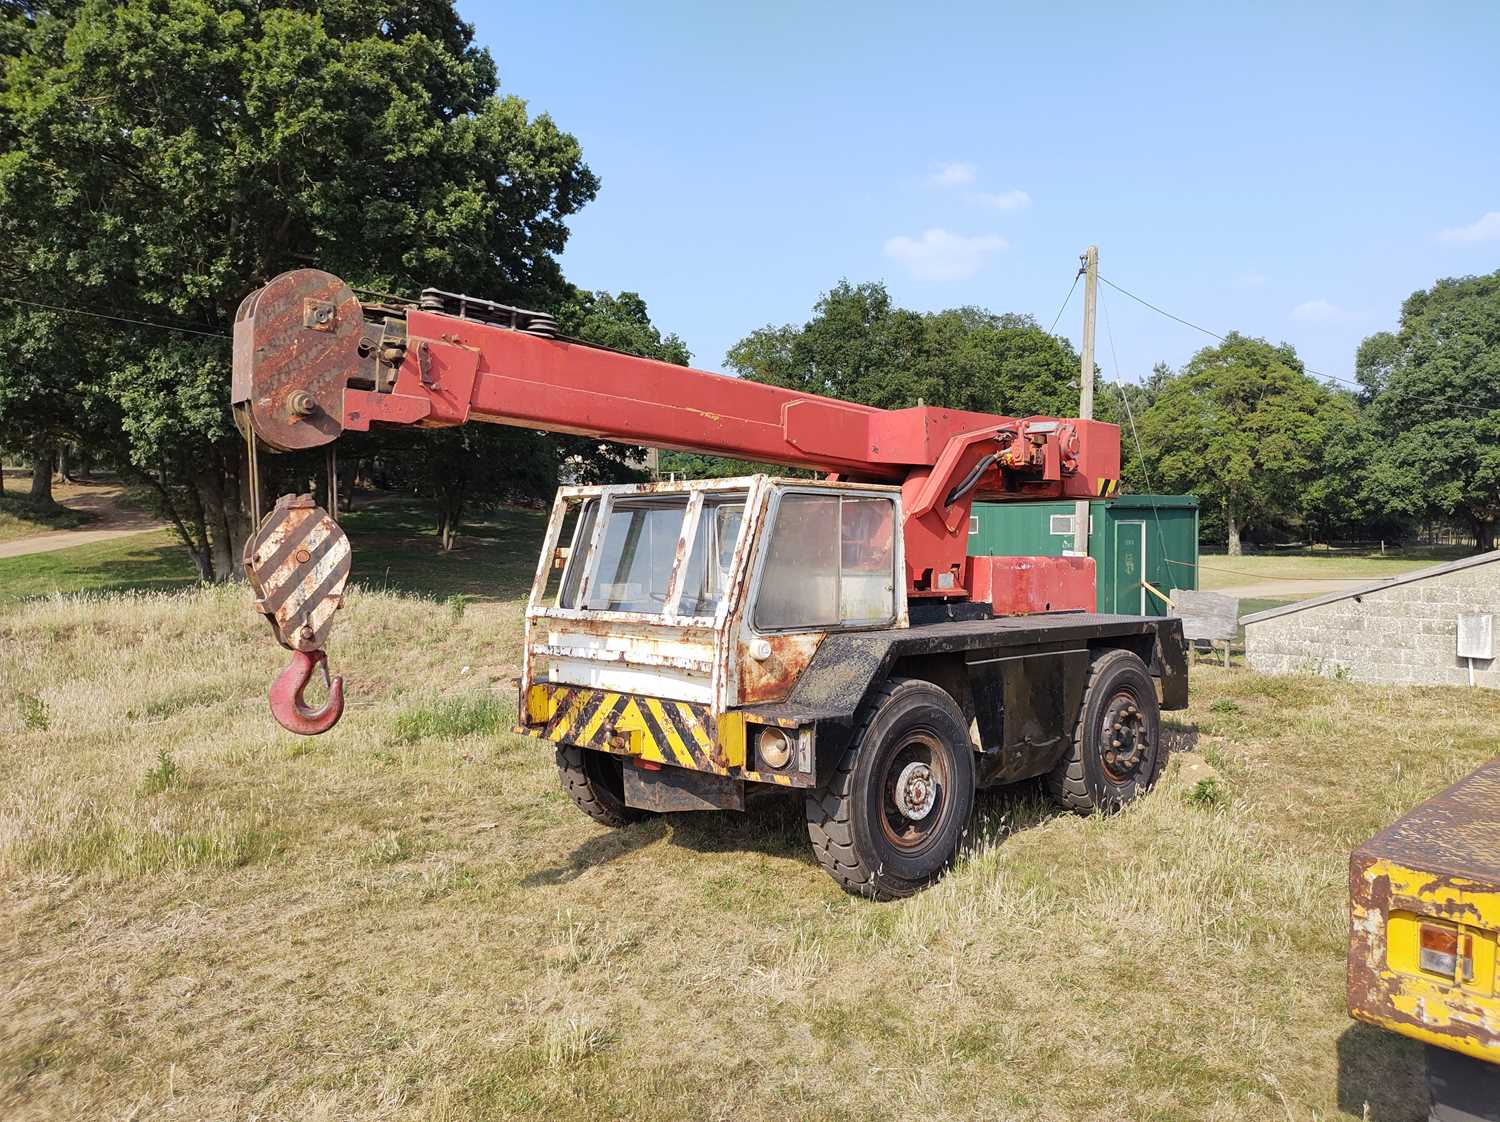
x: 1128, y: 535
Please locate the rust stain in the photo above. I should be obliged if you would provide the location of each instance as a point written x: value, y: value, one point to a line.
x: 772, y: 678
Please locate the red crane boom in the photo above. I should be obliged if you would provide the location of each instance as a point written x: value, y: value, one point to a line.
x: 311, y: 361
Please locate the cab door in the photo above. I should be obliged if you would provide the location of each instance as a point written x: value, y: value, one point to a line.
x: 829, y: 558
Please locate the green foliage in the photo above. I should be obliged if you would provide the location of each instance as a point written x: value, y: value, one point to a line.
x: 161, y: 158
x: 456, y: 604
x: 1243, y: 427
x: 1209, y: 794
x: 450, y: 718
x: 162, y: 775
x: 1432, y: 444
x: 858, y: 346
x: 33, y: 710
x: 621, y: 323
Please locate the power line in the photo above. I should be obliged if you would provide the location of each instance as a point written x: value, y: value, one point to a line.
x: 1135, y: 435
x: 1163, y: 311
x: 1308, y: 369
x: 1066, y: 301
x: 115, y: 318
x: 1215, y: 334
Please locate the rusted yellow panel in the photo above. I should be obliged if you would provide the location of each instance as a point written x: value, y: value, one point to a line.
x: 732, y: 738
x: 1387, y: 985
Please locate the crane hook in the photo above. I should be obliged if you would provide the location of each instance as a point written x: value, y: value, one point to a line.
x: 286, y: 696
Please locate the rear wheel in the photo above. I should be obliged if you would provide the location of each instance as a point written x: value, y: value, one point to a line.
x: 889, y: 820
x: 596, y: 784
x: 1117, y: 751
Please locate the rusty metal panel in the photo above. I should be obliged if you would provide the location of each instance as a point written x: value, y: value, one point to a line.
x: 298, y: 563
x: 1029, y: 585
x: 1438, y: 865
x: 297, y: 340
x: 772, y: 677
x: 673, y: 789
x: 1456, y: 832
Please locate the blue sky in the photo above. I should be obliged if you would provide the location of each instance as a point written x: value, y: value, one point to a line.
x: 1287, y: 170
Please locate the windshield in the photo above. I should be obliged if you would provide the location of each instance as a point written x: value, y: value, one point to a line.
x: 631, y: 566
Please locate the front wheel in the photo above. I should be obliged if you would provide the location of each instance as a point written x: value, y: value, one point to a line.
x: 889, y: 820
x: 1117, y: 751
x: 595, y: 782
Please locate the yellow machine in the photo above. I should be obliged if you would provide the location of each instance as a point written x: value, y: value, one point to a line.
x: 1424, y: 926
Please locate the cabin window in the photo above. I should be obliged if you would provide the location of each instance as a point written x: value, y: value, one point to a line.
x: 635, y: 555
x: 706, y: 577
x: 830, y: 562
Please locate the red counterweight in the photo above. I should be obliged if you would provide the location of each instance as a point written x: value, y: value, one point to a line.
x: 310, y: 360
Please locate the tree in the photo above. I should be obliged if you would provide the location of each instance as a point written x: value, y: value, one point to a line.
x: 159, y: 159
x: 858, y: 346
x: 1242, y: 426
x: 1433, y: 388
x: 1124, y: 404
x: 38, y: 406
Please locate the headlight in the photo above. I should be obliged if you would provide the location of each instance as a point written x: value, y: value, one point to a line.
x: 774, y: 748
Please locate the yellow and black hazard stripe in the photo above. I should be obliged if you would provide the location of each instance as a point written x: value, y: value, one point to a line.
x: 654, y: 729
x: 1108, y: 488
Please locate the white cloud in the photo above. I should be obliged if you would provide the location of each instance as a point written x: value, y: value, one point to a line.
x: 1003, y: 200
x: 940, y: 256
x: 1486, y: 229
x: 955, y: 174
x: 1316, y: 311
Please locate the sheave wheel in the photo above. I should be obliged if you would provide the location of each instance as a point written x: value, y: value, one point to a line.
x: 888, y: 821
x: 1117, y: 751
x: 595, y: 782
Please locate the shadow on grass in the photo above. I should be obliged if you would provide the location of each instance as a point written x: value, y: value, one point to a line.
x: 1381, y: 1075
x: 395, y: 546
x: 771, y: 823
x: 1178, y: 736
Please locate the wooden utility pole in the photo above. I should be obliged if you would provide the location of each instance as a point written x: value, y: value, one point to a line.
x: 1090, y: 272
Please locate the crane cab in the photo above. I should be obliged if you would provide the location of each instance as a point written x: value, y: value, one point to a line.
x: 663, y: 615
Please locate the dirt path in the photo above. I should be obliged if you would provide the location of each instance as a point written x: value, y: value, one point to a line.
x: 112, y: 520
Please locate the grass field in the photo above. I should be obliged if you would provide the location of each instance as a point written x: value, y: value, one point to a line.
x: 153, y: 561
x: 205, y: 917
x: 395, y: 549
x: 1217, y: 570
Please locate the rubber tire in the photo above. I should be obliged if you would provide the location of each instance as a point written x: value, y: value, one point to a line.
x: 1079, y: 782
x: 594, y: 781
x: 842, y: 814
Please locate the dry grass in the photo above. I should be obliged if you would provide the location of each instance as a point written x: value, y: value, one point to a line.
x: 204, y: 917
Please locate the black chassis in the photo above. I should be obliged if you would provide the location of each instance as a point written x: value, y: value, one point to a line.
x: 1020, y: 679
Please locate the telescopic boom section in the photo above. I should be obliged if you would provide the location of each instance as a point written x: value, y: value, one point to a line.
x: 312, y: 361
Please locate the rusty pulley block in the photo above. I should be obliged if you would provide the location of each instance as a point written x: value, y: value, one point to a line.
x: 298, y: 563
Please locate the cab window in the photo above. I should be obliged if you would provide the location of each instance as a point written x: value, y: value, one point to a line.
x: 708, y: 567
x: 830, y: 562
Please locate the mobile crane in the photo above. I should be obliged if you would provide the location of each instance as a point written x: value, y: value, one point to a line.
x: 685, y: 640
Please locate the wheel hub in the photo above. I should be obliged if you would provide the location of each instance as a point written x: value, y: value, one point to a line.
x: 1124, y: 740
x: 916, y: 791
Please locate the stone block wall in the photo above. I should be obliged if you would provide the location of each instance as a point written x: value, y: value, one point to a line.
x: 1402, y: 634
